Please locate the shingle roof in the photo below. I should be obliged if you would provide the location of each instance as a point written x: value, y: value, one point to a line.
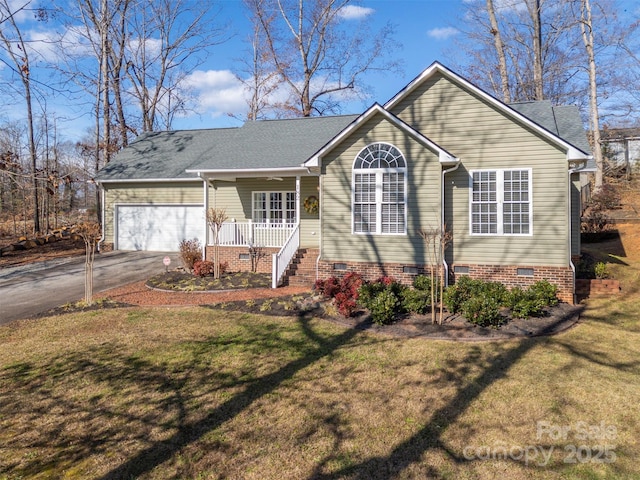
x: 256, y: 145
x: 561, y: 120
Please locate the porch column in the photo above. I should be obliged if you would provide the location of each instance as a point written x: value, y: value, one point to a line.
x: 206, y: 227
x: 298, y: 200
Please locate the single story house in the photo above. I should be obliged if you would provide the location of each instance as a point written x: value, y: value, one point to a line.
x: 324, y: 196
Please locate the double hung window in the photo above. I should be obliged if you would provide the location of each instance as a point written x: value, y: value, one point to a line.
x: 501, y: 202
x: 379, y: 185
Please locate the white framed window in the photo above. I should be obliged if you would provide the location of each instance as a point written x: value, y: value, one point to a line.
x: 274, y: 207
x: 500, y: 202
x: 379, y: 186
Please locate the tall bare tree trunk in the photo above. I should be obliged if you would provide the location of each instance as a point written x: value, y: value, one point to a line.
x: 117, y: 59
x: 502, y: 59
x: 586, y: 27
x: 20, y: 59
x: 534, y: 12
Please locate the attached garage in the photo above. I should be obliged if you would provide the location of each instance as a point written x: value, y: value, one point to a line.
x: 158, y: 228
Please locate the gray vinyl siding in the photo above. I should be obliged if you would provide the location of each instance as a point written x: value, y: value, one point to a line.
x: 423, y: 199
x: 485, y: 138
x: 166, y: 193
x: 236, y: 199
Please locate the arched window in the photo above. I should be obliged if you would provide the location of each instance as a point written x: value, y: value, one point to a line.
x: 379, y: 185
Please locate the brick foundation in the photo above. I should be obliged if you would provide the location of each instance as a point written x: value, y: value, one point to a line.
x: 232, y: 255
x: 372, y: 271
x: 508, y: 275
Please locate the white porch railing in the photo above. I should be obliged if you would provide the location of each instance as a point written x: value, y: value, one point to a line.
x: 242, y: 234
x: 280, y: 261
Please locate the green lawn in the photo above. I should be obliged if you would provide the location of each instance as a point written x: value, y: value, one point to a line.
x: 197, y: 393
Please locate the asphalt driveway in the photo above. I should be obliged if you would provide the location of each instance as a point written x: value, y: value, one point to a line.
x: 32, y: 289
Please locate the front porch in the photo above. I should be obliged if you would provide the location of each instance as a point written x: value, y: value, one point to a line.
x: 264, y: 247
x: 267, y: 223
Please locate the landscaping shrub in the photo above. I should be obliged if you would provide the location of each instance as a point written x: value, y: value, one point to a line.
x: 465, y: 288
x: 384, y: 307
x: 495, y: 290
x: 601, y: 270
x: 204, y: 268
x: 480, y: 301
x: 482, y: 311
x: 532, y: 301
x: 345, y: 303
x: 416, y: 300
x: 545, y: 291
x: 524, y: 303
x: 328, y: 287
x: 368, y: 291
x: 595, y: 220
x: 190, y: 252
x: 455, y: 295
x: 423, y: 283
x: 383, y: 299
x: 344, y: 292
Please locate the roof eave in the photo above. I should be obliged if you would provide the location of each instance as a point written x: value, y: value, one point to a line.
x: 574, y: 154
x: 146, y: 180
x: 232, y: 174
x: 447, y: 160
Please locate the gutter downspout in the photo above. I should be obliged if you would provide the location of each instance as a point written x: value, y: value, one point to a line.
x: 442, y: 223
x: 319, y: 226
x: 570, y: 222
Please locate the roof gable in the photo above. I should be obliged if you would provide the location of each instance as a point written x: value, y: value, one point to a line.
x: 376, y: 109
x: 573, y: 152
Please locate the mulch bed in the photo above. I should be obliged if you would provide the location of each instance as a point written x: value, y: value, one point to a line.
x: 454, y: 327
x: 251, y: 293
x: 181, y: 281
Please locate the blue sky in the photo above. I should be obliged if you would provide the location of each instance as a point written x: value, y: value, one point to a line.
x: 424, y: 28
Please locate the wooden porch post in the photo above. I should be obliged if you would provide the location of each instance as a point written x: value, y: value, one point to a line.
x: 206, y: 227
x: 298, y: 200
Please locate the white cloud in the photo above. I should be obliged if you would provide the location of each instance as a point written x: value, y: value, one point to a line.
x: 51, y: 46
x: 354, y: 12
x: 442, y: 33
x: 501, y: 5
x: 219, y: 92
x: 152, y: 46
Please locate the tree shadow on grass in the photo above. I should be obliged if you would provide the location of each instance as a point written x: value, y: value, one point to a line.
x: 188, y: 433
x: 158, y: 398
x: 429, y: 438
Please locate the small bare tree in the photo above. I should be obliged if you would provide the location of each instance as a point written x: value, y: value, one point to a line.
x: 90, y: 233
x: 437, y: 241
x: 215, y: 218
x: 430, y: 237
x: 256, y: 253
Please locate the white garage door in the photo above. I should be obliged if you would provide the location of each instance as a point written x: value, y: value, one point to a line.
x: 158, y: 228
